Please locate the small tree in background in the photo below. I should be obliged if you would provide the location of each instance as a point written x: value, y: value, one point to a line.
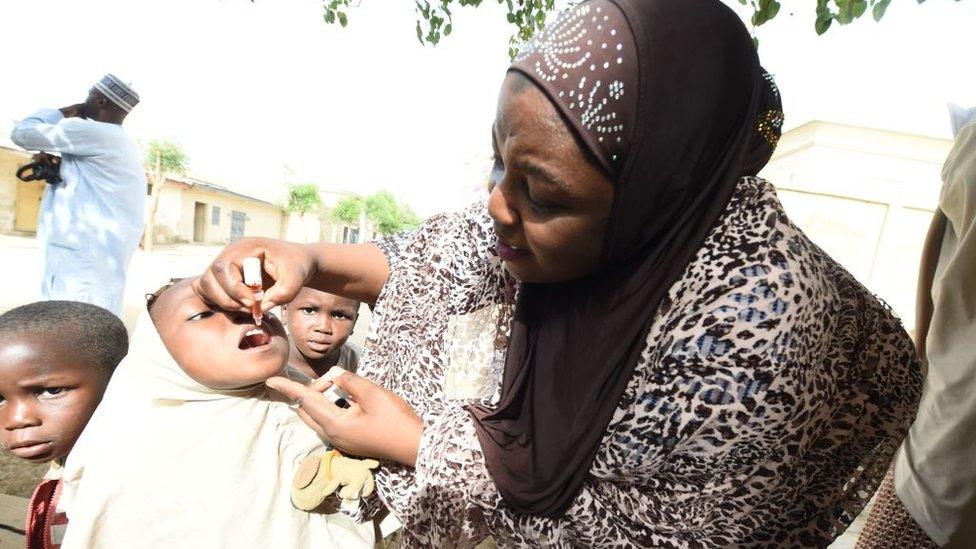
x: 388, y: 215
x: 162, y: 156
x: 303, y: 200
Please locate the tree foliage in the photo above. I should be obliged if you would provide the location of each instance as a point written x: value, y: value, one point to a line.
x: 435, y: 17
x: 348, y: 209
x: 381, y: 208
x: 303, y: 199
x: 171, y: 154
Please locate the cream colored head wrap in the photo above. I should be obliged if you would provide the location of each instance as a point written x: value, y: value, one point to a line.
x: 167, y: 462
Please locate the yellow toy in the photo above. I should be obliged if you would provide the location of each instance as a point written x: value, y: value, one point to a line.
x: 318, y: 477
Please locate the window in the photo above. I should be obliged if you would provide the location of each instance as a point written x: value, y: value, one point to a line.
x: 215, y: 216
x: 350, y: 236
x: 237, y: 220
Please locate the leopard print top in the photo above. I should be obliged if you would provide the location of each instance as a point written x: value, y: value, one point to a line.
x: 772, y: 393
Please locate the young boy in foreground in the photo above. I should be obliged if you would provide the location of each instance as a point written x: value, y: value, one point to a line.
x: 56, y: 358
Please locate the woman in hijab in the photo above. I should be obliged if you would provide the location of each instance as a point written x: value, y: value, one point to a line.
x: 629, y: 344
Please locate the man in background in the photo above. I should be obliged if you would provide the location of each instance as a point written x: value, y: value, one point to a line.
x: 91, y: 222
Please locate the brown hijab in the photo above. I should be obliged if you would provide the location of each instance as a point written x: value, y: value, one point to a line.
x: 669, y: 97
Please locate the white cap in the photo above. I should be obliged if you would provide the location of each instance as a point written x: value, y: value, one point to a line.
x: 252, y: 271
x: 118, y: 92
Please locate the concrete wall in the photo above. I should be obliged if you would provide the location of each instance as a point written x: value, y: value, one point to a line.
x: 302, y: 229
x: 10, y: 161
x: 866, y: 197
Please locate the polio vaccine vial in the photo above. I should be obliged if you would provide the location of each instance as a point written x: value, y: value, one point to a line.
x: 252, y: 279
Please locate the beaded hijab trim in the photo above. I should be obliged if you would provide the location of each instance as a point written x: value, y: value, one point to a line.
x: 584, y: 61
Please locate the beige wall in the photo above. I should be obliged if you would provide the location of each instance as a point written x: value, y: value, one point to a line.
x: 866, y: 197
x: 302, y: 229
x: 10, y: 161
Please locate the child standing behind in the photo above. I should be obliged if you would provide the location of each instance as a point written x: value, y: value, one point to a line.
x: 319, y: 325
x: 56, y: 358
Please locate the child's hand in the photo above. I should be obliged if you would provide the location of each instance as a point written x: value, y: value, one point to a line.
x: 378, y: 423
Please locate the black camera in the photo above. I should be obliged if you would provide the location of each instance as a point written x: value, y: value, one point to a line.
x: 48, y: 169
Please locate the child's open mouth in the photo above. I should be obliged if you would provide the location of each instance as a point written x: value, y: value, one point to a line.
x: 254, y: 337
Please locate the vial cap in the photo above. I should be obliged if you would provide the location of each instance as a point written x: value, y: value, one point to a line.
x: 252, y: 271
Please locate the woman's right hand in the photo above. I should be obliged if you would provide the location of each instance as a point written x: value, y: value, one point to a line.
x: 287, y: 268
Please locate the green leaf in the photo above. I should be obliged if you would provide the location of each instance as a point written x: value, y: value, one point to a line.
x: 447, y: 30
x: 755, y: 42
x: 824, y: 17
x: 330, y: 17
x: 510, y: 17
x: 849, y: 10
x: 879, y: 9
x: 823, y: 23
x: 767, y: 10
x: 420, y: 33
x: 342, y: 19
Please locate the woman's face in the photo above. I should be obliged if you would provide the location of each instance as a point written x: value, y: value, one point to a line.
x: 549, y: 201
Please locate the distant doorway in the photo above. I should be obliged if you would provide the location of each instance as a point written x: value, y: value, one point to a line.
x: 199, y: 221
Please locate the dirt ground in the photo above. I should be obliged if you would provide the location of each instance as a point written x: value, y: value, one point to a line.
x: 18, y: 477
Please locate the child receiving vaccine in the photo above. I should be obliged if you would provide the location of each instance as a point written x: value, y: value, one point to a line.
x: 190, y: 450
x: 56, y: 358
x: 319, y: 325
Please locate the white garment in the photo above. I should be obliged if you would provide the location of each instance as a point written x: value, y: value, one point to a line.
x: 167, y: 462
x: 935, y: 469
x: 349, y: 356
x: 90, y: 223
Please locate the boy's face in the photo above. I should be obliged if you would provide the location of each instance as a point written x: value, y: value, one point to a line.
x: 220, y: 349
x: 320, y: 323
x: 47, y: 395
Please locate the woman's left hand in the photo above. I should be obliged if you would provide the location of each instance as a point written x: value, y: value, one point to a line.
x: 377, y: 424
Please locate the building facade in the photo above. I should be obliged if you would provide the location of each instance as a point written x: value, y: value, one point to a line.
x: 20, y: 201
x: 195, y: 211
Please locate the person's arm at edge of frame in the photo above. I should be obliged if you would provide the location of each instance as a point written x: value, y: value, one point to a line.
x: 926, y: 277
